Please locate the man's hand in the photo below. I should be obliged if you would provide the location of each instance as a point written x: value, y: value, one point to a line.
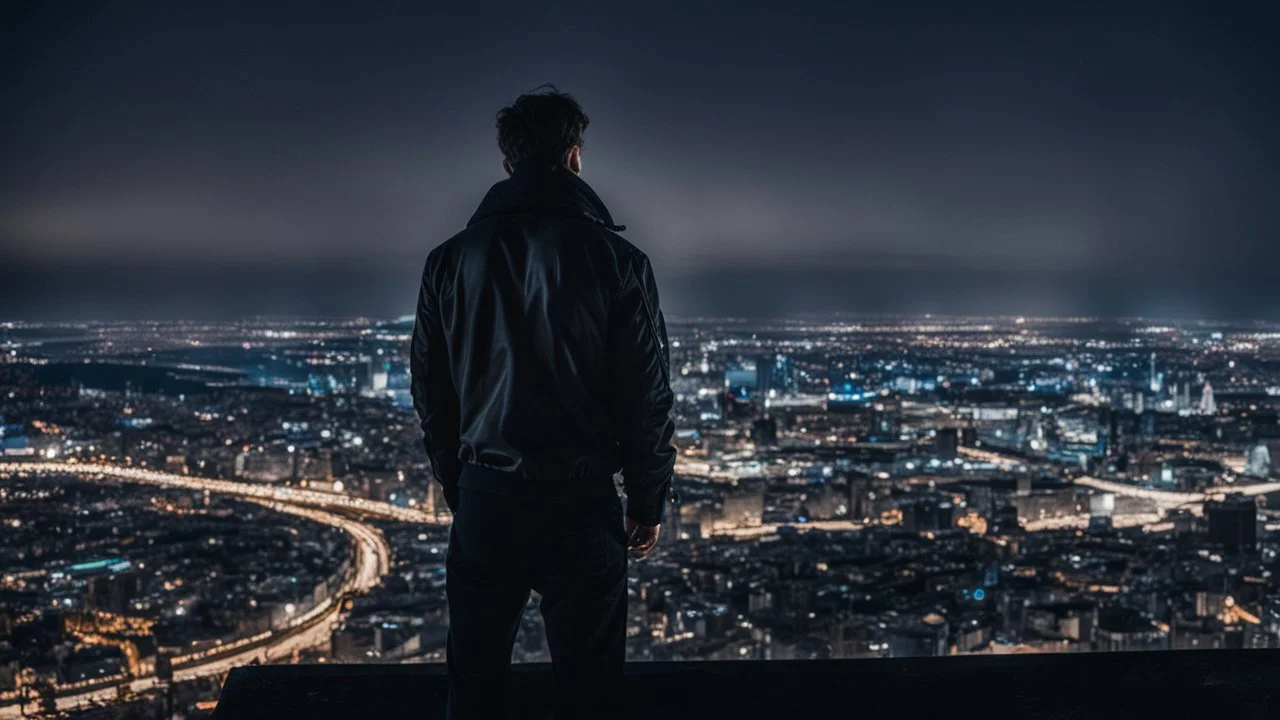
x: 641, y: 538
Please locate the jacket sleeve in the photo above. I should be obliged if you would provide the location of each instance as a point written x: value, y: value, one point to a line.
x: 640, y: 363
x: 434, y: 395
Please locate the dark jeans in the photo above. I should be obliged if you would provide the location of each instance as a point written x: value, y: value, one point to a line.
x: 573, y: 552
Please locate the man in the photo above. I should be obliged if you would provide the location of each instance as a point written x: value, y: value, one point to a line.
x: 540, y: 369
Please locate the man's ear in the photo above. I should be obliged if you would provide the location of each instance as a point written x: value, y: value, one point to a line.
x: 506, y: 164
x: 573, y: 160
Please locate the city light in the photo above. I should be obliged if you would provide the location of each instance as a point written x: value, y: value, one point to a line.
x: 880, y: 488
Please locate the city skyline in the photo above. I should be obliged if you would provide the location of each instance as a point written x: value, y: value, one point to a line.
x: 179, y: 498
x: 175, y: 162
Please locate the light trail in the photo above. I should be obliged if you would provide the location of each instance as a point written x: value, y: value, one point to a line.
x: 293, y: 496
x: 312, y: 628
x: 1169, y: 499
x: 1256, y: 489
x: 1163, y: 498
x: 759, y: 531
x: 1081, y: 522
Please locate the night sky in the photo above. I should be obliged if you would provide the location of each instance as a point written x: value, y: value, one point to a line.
x: 193, y: 159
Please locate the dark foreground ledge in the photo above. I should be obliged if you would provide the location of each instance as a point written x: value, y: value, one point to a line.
x: 1218, y: 684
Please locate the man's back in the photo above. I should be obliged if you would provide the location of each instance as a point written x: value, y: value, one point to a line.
x: 540, y: 369
x: 529, y: 291
x: 554, y: 344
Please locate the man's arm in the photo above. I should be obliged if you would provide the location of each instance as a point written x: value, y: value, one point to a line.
x: 642, y: 394
x: 434, y: 396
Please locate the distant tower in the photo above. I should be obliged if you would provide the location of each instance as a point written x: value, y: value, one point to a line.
x: 764, y: 374
x: 1207, y: 404
x: 672, y: 529
x: 774, y: 375
x: 860, y: 498
x: 1113, y: 432
x: 1155, y: 379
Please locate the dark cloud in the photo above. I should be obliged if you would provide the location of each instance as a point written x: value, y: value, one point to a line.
x: 1114, y: 157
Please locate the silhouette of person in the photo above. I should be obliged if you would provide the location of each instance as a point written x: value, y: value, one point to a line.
x: 540, y: 370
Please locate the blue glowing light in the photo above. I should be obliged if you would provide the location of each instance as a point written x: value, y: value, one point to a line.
x: 979, y: 594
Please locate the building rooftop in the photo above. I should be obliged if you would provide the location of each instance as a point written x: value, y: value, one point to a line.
x: 1223, y: 683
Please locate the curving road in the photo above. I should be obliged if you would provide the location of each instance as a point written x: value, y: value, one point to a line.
x: 372, y: 560
x: 293, y: 496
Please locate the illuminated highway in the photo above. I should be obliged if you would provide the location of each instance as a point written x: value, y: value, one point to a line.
x: 293, y: 496
x: 1169, y: 499
x: 1166, y: 499
x: 371, y: 561
x: 1080, y: 522
x: 1255, y: 489
x: 759, y: 531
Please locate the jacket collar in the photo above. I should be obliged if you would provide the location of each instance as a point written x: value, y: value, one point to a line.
x: 547, y: 190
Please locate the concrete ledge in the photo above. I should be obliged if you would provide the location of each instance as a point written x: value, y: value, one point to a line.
x: 1220, y: 684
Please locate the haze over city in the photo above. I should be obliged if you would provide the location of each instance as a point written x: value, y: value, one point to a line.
x: 301, y: 158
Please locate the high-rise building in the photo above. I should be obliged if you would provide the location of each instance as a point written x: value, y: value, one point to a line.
x: 1233, y: 523
x: 774, y: 376
x: 923, y: 637
x: 928, y: 514
x: 380, y: 378
x: 1258, y: 461
x: 1147, y: 426
x: 673, y: 528
x: 1110, y: 432
x: 947, y: 443
x: 764, y: 431
x: 1207, y: 404
x: 741, y: 377
x: 860, y: 497
x: 112, y: 593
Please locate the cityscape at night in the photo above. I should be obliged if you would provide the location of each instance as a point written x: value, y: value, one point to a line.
x: 178, y: 498
x: 591, y: 359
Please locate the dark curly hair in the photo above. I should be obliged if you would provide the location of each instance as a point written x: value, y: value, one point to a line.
x: 541, y: 125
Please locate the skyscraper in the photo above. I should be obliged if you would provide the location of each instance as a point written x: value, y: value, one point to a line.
x: 1207, y: 404
x: 1233, y: 523
x: 860, y: 497
x: 1113, y: 431
x: 764, y: 431
x: 774, y: 375
x: 946, y: 443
